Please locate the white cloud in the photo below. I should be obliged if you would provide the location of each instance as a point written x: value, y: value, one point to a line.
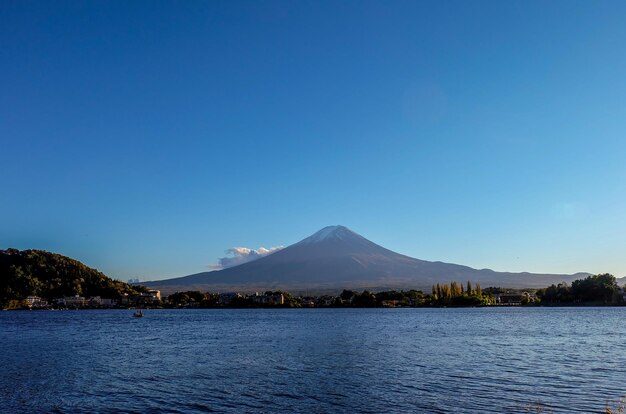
x: 239, y: 255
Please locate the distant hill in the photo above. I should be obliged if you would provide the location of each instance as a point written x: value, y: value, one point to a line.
x: 336, y: 258
x: 51, y: 275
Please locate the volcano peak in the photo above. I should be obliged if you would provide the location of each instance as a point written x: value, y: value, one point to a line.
x: 330, y: 232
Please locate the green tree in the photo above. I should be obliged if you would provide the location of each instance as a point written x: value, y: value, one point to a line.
x: 596, y: 288
x: 366, y: 299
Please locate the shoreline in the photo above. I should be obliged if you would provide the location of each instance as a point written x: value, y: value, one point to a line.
x: 562, y: 306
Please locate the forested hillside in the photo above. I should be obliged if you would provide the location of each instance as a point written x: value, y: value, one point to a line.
x: 51, y: 275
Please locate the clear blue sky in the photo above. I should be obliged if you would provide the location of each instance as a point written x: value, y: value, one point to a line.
x: 145, y: 138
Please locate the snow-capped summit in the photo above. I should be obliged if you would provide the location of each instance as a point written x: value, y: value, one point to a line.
x: 330, y: 232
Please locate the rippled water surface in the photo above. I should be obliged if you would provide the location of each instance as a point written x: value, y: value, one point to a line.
x: 314, y: 360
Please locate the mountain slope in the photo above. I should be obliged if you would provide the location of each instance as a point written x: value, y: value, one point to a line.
x: 336, y: 257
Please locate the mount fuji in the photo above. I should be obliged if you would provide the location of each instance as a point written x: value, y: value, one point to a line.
x: 335, y: 258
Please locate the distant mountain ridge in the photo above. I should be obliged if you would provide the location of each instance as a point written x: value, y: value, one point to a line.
x: 336, y: 257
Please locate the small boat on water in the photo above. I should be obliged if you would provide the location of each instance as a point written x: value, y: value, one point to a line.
x: 138, y: 313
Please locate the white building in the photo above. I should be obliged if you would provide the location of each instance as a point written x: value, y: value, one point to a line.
x: 274, y: 299
x: 156, y: 294
x: 36, y: 302
x: 74, y: 301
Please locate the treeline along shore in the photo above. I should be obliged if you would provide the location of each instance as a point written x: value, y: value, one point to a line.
x: 597, y: 290
x: 36, y: 279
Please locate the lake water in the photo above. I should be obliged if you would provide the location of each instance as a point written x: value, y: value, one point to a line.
x: 498, y: 360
